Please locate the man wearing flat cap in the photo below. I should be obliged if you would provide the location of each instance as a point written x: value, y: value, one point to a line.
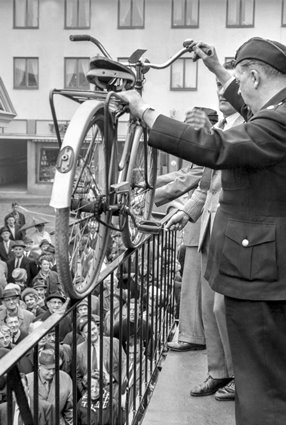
x: 246, y: 261
x: 55, y: 303
x: 6, y: 244
x: 47, y: 386
x: 10, y: 307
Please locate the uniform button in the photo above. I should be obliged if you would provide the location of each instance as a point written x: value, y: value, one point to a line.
x: 245, y: 242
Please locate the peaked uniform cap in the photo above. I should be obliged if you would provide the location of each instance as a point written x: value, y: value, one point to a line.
x: 268, y: 51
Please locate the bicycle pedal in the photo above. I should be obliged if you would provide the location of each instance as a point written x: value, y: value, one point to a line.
x: 148, y: 226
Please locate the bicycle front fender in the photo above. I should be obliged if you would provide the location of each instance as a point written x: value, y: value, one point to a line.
x: 67, y: 157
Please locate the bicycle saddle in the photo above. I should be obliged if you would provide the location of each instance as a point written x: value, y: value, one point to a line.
x: 108, y: 75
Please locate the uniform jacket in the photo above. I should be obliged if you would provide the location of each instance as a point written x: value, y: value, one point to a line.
x: 114, y: 372
x: 246, y: 258
x: 65, y: 399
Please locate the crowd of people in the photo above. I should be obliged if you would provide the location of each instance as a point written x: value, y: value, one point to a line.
x: 31, y: 293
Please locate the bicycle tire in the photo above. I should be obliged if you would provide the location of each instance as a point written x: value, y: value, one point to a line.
x: 141, y: 199
x: 79, y: 260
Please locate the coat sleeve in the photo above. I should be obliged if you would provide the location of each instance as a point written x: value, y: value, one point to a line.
x: 183, y: 181
x: 257, y: 144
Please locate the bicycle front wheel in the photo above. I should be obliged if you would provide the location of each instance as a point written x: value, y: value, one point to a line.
x: 81, y: 230
x: 141, y: 174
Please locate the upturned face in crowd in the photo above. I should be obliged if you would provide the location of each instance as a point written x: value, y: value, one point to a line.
x: 11, y: 221
x: 94, y: 333
x: 47, y: 372
x: 94, y: 389
x: 41, y: 292
x: 13, y: 323
x: 54, y: 305
x: 18, y: 251
x: 45, y: 266
x: 82, y: 310
x: 11, y: 303
x: 7, y: 336
x: 5, y: 236
x: 30, y: 301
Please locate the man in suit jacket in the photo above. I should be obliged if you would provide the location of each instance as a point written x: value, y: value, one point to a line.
x: 45, y: 409
x: 47, y: 386
x: 6, y: 245
x: 246, y: 257
x: 111, y: 370
x: 19, y: 217
x: 20, y: 261
x: 14, y: 229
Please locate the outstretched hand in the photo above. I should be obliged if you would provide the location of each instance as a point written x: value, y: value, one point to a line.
x: 177, y: 221
x: 134, y: 100
x: 198, y: 119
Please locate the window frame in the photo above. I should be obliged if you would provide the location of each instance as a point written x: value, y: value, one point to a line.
x: 77, y: 26
x: 77, y: 58
x: 130, y: 27
x: 25, y: 26
x: 185, y: 25
x: 14, y: 69
x: 239, y: 25
x: 184, y: 73
x: 283, y: 7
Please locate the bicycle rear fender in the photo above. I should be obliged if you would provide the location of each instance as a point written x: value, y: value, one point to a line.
x: 66, y: 161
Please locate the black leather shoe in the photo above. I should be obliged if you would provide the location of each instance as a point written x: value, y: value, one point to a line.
x: 226, y: 393
x: 185, y: 346
x: 209, y: 386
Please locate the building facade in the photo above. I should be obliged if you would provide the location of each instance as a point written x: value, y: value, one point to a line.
x: 38, y: 56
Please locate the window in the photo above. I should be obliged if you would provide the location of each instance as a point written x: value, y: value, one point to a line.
x: 240, y: 13
x: 283, y: 15
x: 184, y: 74
x: 26, y: 13
x: 75, y: 72
x: 131, y: 13
x: 185, y: 13
x: 46, y: 163
x: 77, y: 13
x: 26, y: 73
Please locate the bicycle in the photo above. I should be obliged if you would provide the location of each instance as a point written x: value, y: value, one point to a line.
x: 94, y: 182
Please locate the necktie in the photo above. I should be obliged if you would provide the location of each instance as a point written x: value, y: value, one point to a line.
x: 222, y: 124
x: 18, y: 261
x: 93, y: 358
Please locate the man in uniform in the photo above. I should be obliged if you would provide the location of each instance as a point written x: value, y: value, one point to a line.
x: 246, y: 259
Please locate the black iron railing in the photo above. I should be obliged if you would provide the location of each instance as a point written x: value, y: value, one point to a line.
x: 132, y: 310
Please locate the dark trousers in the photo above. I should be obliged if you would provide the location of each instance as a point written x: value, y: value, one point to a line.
x: 257, y: 334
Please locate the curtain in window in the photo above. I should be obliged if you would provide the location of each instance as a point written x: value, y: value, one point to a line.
x: 20, y: 13
x: 32, y: 13
x: 125, y: 13
x: 83, y: 13
x: 192, y: 15
x: 178, y: 74
x: 190, y: 74
x: 247, y: 12
x: 178, y: 12
x: 71, y: 73
x: 71, y: 13
x: 137, y: 13
x: 32, y: 72
x: 233, y: 12
x: 83, y: 67
x: 20, y: 73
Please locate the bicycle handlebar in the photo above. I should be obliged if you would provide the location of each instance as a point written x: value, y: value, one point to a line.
x: 86, y: 37
x: 185, y: 49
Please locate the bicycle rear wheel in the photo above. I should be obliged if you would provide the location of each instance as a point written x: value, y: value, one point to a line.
x: 81, y: 232
x: 141, y: 174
